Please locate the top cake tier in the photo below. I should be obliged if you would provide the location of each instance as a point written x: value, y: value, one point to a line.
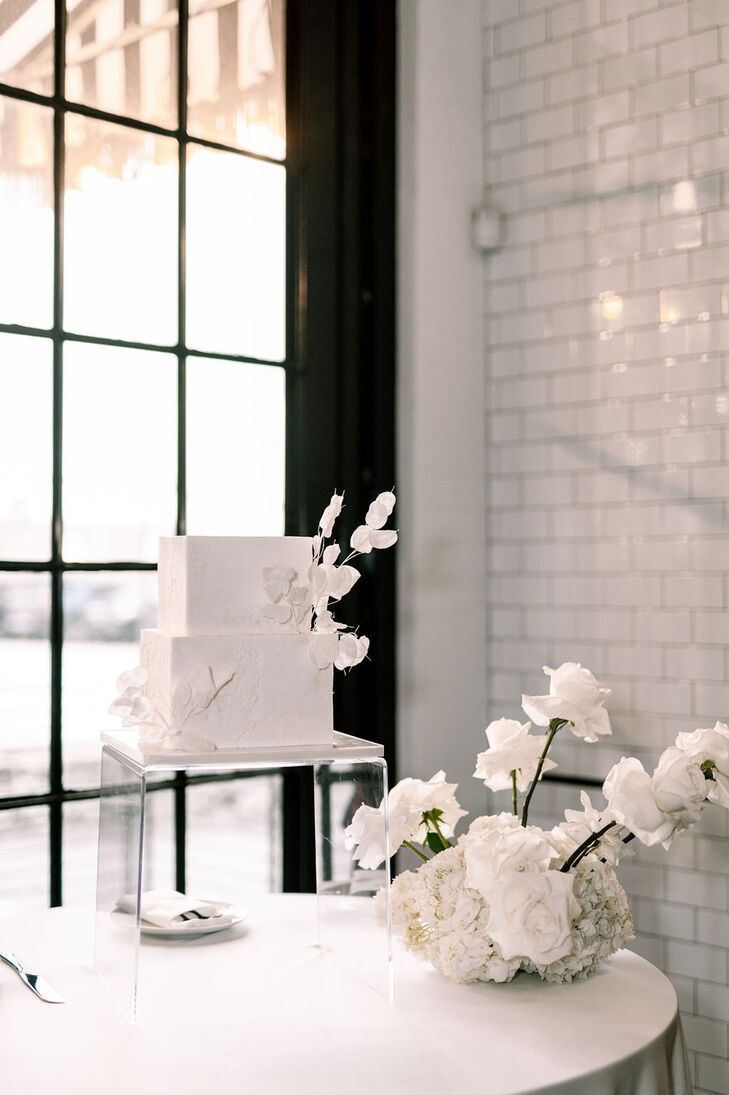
x: 213, y: 585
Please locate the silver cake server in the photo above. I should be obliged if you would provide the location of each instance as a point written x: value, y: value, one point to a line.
x: 35, y: 983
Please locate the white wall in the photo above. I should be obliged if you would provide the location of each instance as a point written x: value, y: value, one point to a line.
x: 593, y: 400
x: 441, y: 421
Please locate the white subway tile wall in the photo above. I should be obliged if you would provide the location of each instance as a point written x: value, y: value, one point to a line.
x: 607, y: 149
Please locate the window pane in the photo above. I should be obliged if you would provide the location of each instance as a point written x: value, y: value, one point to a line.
x: 80, y: 832
x: 103, y: 614
x: 26, y: 213
x: 120, y: 452
x: 236, y: 74
x: 236, y: 445
x: 26, y: 447
x: 121, y: 57
x: 236, y: 254
x: 24, y: 864
x: 233, y: 838
x: 25, y: 680
x: 26, y: 44
x: 120, y: 232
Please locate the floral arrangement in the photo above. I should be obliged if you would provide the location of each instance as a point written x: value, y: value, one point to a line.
x: 509, y: 896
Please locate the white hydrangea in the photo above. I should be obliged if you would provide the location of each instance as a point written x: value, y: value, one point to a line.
x: 442, y: 920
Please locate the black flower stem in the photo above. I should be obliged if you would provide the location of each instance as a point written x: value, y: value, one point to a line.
x: 586, y: 846
x: 411, y: 848
x: 514, y: 799
x: 554, y: 726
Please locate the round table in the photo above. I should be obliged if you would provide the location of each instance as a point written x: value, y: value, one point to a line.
x: 303, y: 1025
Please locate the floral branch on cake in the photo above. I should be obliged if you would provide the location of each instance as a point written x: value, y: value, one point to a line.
x: 328, y: 581
x: 135, y: 708
x: 509, y: 896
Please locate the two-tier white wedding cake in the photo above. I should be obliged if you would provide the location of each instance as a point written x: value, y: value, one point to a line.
x: 246, y: 643
x: 218, y: 666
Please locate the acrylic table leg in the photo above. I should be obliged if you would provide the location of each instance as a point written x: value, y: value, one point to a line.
x: 119, y: 879
x: 346, y: 905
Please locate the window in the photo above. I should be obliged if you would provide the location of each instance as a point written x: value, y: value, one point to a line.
x: 142, y: 385
x: 196, y: 334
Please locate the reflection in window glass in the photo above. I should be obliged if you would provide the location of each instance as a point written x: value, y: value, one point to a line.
x: 120, y: 229
x: 26, y: 213
x: 236, y: 444
x: 25, y: 678
x: 236, y: 254
x: 103, y: 614
x: 24, y: 859
x: 119, y: 58
x: 80, y: 829
x: 233, y: 838
x: 26, y: 455
x: 120, y: 452
x: 27, y: 44
x: 236, y: 74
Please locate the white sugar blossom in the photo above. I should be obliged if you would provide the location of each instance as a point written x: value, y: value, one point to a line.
x: 511, y: 748
x: 333, y: 581
x: 277, y: 581
x: 580, y: 824
x: 352, y: 649
x: 711, y: 747
x: 330, y: 514
x: 575, y: 696
x: 131, y: 705
x: 380, y: 510
x: 364, y: 539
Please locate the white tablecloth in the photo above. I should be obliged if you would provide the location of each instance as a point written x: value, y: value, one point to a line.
x: 304, y: 1026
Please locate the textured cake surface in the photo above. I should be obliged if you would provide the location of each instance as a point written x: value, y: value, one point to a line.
x: 213, y: 585
x: 272, y: 693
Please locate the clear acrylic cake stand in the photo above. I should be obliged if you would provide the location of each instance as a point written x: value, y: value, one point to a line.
x: 347, y: 928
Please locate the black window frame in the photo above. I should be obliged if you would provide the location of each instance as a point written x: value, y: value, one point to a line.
x: 339, y: 365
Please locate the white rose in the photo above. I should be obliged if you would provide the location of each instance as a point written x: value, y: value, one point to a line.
x: 500, y: 853
x: 532, y: 915
x: 366, y: 833
x: 679, y: 786
x: 511, y: 749
x: 574, y: 695
x: 421, y: 797
x: 712, y: 746
x: 633, y: 798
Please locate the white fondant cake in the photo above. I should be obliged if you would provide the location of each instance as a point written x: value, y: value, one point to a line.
x: 221, y: 669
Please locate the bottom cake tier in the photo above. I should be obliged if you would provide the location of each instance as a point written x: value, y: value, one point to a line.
x: 238, y: 691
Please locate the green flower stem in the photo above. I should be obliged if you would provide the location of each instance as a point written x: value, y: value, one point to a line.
x: 514, y: 799
x: 587, y: 846
x: 434, y: 822
x: 554, y: 726
x: 411, y: 848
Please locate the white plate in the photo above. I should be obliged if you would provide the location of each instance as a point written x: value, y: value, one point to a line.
x: 202, y: 927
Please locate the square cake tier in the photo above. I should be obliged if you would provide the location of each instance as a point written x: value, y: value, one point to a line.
x: 238, y: 691
x: 214, y: 585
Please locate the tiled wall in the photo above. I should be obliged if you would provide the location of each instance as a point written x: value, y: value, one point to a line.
x: 607, y: 149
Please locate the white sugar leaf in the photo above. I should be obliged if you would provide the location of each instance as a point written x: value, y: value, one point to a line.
x: 121, y: 707
x: 323, y: 650
x: 386, y: 499
x: 361, y: 539
x: 376, y: 515
x: 384, y: 539
x: 330, y: 514
x: 331, y: 554
x: 181, y: 696
x: 352, y: 651
x: 315, y: 545
x: 276, y: 581
x: 302, y: 612
x: 326, y: 624
x: 342, y: 581
x: 281, y: 614
x: 299, y: 595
